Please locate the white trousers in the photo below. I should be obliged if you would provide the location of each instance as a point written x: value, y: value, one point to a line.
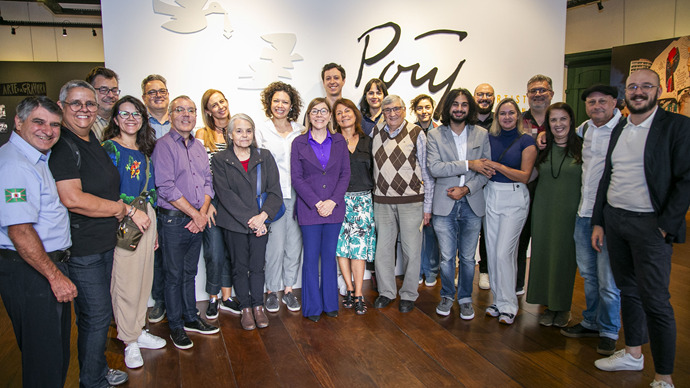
x: 507, y: 205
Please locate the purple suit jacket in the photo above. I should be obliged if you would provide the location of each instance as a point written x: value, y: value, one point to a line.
x: 313, y: 184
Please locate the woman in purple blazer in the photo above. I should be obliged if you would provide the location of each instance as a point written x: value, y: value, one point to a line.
x: 320, y: 170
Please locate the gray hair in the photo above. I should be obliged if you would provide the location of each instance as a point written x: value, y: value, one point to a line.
x: 392, y: 98
x: 540, y: 78
x: 75, y: 83
x: 29, y: 104
x: 231, y: 127
x: 182, y: 97
x: 152, y: 77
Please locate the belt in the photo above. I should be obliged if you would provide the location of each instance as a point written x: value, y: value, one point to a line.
x: 172, y: 212
x: 55, y: 256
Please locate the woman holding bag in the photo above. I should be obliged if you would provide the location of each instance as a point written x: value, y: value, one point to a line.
x: 241, y: 174
x: 129, y: 142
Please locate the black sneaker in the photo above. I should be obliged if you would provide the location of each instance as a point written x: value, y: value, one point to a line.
x: 231, y: 305
x: 199, y: 326
x: 180, y: 339
x: 116, y: 377
x: 579, y: 331
x: 157, y: 312
x: 212, y: 310
x: 607, y: 346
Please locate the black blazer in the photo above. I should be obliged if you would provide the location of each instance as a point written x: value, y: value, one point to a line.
x: 666, y: 168
x: 236, y: 188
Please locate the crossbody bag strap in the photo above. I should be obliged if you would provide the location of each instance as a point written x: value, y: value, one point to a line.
x: 506, y: 150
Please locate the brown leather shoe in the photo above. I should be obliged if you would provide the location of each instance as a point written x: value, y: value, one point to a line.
x: 260, y: 316
x: 247, y: 319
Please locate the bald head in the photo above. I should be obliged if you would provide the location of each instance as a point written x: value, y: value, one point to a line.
x: 485, y: 98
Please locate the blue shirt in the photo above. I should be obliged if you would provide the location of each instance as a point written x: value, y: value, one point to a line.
x: 131, y: 164
x: 30, y: 196
x: 160, y: 128
x: 513, y: 156
x: 368, y: 123
x: 322, y: 150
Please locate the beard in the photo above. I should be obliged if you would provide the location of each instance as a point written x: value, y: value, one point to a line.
x: 483, y: 111
x: 651, y: 103
x: 456, y: 120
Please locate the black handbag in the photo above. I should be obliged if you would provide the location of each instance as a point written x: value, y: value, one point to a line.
x: 128, y: 234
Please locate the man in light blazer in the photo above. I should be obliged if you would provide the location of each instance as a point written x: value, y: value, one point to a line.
x: 456, y: 155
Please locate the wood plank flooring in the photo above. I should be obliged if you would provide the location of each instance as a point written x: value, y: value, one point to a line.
x: 383, y: 348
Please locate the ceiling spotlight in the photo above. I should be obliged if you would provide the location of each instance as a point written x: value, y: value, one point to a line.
x: 93, y: 32
x: 14, y: 31
x: 64, y: 31
x: 600, y: 6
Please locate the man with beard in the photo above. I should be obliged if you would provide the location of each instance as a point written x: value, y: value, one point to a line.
x: 484, y: 97
x: 105, y: 81
x: 456, y: 155
x: 640, y: 206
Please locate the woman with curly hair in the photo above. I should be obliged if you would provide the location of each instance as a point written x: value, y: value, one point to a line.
x: 282, y: 105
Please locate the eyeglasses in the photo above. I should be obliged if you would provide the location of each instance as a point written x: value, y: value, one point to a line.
x: 538, y: 91
x: 154, y: 92
x: 322, y: 112
x: 125, y: 115
x: 486, y: 95
x: 76, y: 106
x: 644, y: 87
x: 181, y: 109
x: 395, y: 109
x: 104, y: 90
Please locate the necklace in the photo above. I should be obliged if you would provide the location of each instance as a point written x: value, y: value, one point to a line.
x: 560, y: 166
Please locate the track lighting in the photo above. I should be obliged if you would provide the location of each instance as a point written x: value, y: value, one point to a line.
x: 14, y: 31
x: 64, y: 31
x: 93, y: 32
x: 600, y: 6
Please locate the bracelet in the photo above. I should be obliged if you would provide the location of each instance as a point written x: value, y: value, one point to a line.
x: 131, y: 211
x: 134, y: 212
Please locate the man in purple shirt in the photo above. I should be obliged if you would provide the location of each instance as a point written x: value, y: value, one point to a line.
x: 183, y: 180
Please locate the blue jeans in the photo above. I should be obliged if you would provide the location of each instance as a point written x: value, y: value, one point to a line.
x: 181, y: 250
x: 458, y: 232
x: 217, y: 258
x: 93, y: 312
x: 430, y: 254
x: 601, y: 294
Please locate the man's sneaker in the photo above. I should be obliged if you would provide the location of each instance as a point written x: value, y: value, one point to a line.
x: 506, y: 318
x: 620, y: 360
x: 231, y: 305
x: 116, y: 377
x: 520, y: 291
x: 157, y: 312
x: 579, y: 331
x: 484, y: 281
x: 133, y: 357
x: 607, y: 346
x: 444, y: 306
x: 272, y: 305
x: 660, y: 384
x: 147, y: 340
x: 561, y: 319
x: 212, y: 310
x: 492, y: 311
x: 199, y: 326
x: 180, y: 339
x: 466, y: 311
x: 546, y: 318
x: 291, y: 301
x: 420, y: 280
x: 430, y: 283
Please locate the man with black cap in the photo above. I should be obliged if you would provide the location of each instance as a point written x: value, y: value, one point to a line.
x: 602, y: 316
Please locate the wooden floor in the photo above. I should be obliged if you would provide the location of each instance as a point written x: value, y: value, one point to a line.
x: 384, y: 348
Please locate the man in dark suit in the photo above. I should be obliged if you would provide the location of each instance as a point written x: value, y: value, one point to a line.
x: 641, y: 203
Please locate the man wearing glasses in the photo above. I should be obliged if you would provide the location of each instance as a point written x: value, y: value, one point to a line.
x: 154, y: 92
x: 183, y: 179
x: 640, y: 208
x: 402, y: 201
x: 105, y: 81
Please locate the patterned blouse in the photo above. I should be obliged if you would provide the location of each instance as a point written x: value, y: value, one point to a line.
x: 131, y: 164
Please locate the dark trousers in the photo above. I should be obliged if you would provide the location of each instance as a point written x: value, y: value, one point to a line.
x: 483, y: 266
x: 248, y: 255
x: 41, y: 324
x: 158, y: 288
x: 181, y: 250
x: 320, y: 241
x: 641, y: 265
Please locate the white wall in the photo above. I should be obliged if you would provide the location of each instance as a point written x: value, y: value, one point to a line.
x: 624, y: 22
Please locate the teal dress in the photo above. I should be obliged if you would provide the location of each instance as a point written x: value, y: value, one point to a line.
x: 552, y: 262
x: 131, y: 164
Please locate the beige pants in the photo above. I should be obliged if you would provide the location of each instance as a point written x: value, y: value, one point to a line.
x: 131, y: 282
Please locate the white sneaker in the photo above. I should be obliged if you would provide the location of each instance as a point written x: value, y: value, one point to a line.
x: 147, y: 340
x: 620, y: 360
x: 484, y: 281
x: 342, y: 286
x: 660, y: 384
x: 430, y: 283
x: 133, y: 358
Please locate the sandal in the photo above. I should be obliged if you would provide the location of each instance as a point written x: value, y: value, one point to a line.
x: 349, y: 299
x: 360, y: 306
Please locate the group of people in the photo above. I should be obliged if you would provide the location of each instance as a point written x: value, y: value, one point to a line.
x: 335, y: 196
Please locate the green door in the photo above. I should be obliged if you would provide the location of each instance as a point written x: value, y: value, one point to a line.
x: 585, y: 70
